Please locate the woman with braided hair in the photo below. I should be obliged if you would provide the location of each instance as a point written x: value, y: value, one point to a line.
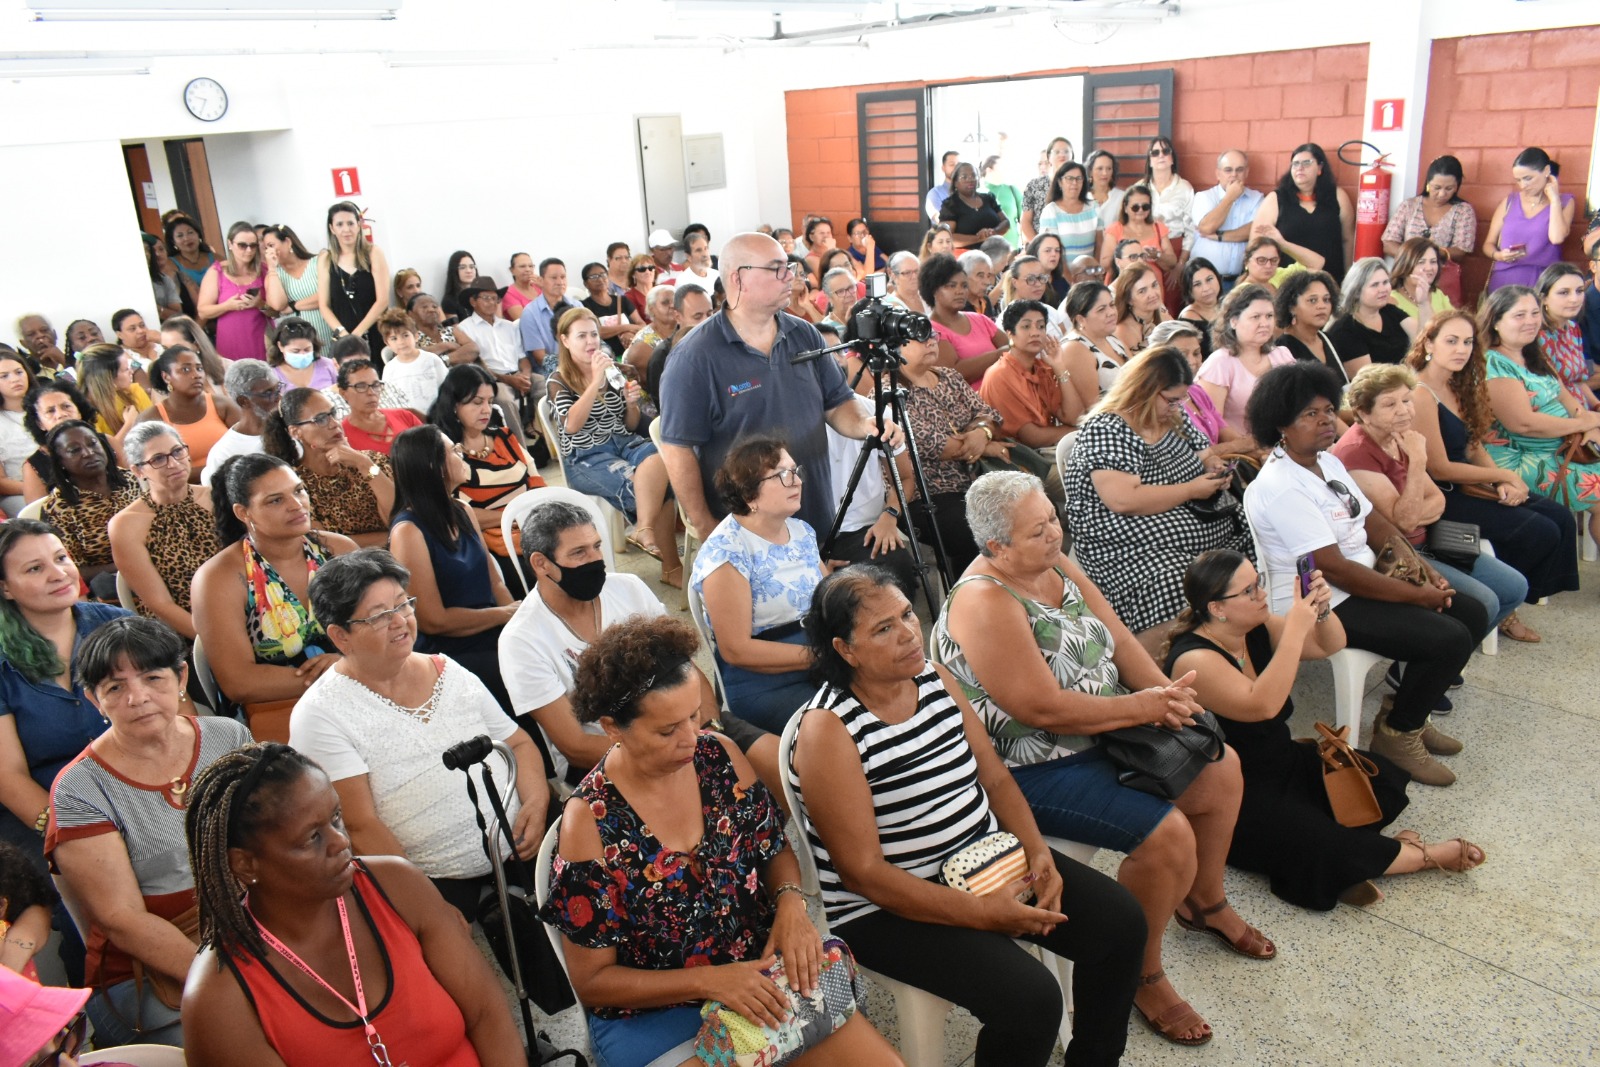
x: 309, y: 956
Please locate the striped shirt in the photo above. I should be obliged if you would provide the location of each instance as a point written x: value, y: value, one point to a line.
x: 608, y: 416
x: 926, y: 799
x: 498, y: 479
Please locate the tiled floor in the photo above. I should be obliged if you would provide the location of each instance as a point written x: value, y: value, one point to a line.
x: 1498, y: 966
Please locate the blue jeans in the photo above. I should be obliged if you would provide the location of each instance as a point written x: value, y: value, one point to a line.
x: 114, y: 1011
x: 1498, y: 586
x: 1078, y: 798
x: 664, y: 1037
x: 606, y: 471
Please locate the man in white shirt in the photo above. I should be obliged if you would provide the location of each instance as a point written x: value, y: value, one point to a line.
x: 256, y: 388
x: 573, y: 601
x: 934, y: 202
x: 1222, y: 215
x: 697, y: 269
x: 500, y: 349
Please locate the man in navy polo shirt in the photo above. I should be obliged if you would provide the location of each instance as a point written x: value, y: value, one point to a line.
x: 734, y: 376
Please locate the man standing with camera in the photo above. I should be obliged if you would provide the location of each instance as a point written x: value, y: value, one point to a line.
x: 735, y: 375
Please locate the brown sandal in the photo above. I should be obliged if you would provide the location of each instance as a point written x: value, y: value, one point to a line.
x: 1518, y: 630
x: 1463, y: 862
x: 1253, y: 944
x: 1176, y: 1019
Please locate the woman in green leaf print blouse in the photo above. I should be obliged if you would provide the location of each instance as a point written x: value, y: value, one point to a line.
x: 1042, y: 711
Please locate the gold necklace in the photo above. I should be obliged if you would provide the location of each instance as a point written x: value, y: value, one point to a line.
x: 479, y: 453
x: 1211, y: 635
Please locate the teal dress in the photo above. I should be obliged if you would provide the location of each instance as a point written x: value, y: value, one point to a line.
x: 1535, y: 458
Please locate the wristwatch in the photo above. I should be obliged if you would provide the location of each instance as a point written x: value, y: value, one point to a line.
x: 373, y: 471
x: 892, y: 511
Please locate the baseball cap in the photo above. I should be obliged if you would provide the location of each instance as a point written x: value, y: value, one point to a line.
x: 32, y: 1014
x: 660, y: 239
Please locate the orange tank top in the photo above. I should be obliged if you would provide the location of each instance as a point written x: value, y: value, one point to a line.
x: 199, y: 436
x: 419, y: 1022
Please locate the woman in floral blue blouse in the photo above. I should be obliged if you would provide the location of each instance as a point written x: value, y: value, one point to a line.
x: 673, y: 883
x: 755, y: 575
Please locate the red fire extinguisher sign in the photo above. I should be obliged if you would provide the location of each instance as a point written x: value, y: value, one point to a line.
x: 1388, y: 115
x: 346, y: 181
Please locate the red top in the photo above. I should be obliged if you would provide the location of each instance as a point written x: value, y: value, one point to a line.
x: 417, y: 1019
x: 397, y: 419
x: 1358, y: 453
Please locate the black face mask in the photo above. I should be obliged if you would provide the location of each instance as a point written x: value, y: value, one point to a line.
x: 583, y: 583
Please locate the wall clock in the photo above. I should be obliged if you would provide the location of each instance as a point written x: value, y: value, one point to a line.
x: 206, y: 99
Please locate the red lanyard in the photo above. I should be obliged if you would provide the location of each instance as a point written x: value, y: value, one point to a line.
x: 375, y: 1045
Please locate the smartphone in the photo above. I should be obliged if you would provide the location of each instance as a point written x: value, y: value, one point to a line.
x: 1518, y: 248
x: 1303, y: 568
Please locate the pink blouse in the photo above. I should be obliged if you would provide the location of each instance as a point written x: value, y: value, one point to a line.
x: 978, y: 339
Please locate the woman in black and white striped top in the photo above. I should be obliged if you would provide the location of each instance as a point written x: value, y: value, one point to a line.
x: 598, y: 428
x: 894, y: 774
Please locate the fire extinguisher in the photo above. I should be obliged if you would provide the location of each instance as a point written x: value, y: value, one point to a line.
x: 366, y: 220
x: 1372, y: 201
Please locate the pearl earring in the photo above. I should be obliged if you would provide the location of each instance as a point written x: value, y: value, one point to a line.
x: 1222, y: 618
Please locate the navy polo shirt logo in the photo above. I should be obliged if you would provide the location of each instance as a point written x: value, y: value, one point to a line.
x: 743, y: 387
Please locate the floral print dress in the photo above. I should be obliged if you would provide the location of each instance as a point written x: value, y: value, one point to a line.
x: 282, y: 630
x: 1535, y: 458
x: 662, y: 909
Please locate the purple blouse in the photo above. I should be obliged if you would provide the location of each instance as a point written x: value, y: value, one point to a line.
x: 1204, y: 414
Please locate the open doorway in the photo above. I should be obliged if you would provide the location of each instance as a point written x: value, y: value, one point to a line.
x: 1014, y: 120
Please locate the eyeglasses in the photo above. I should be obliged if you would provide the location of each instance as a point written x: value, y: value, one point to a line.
x: 781, y: 271
x: 593, y: 277
x: 788, y: 477
x: 363, y: 387
x: 1264, y: 261
x: 1301, y: 164
x: 1034, y: 279
x: 244, y: 244
x: 1346, y: 497
x: 1160, y: 150
x: 840, y: 294
x: 159, y: 462
x: 266, y: 397
x: 1254, y: 590
x: 326, y: 421
x: 403, y: 610
x: 908, y: 270
x: 67, y: 1041
x: 1142, y: 209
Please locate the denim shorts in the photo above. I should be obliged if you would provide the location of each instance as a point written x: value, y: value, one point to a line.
x: 1078, y: 798
x: 663, y: 1038
x: 606, y: 471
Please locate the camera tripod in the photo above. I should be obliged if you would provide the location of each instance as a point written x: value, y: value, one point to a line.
x: 884, y: 364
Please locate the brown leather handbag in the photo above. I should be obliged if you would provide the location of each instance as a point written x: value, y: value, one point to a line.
x: 1573, y: 449
x: 1347, y: 776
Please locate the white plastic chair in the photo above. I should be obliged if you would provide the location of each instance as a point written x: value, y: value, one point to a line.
x: 1064, y: 449
x: 125, y: 595
x: 203, y: 675
x: 513, y: 514
x: 1587, y: 549
x: 1350, y: 665
x: 697, y: 612
x: 617, y: 521
x: 922, y: 1014
x: 137, y: 1056
x: 35, y: 510
x: 1491, y: 640
x: 689, y: 539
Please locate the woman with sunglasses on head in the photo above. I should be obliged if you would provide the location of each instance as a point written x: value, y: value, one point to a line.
x: 48, y: 404
x: 233, y: 294
x: 115, y: 834
x: 346, y: 277
x: 351, y: 491
x: 86, y: 489
x: 160, y: 540
x: 292, y: 279
x: 276, y: 984
x: 1305, y: 502
x: 251, y: 600
x: 190, y: 402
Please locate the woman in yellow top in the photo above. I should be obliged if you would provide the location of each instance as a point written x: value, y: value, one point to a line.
x: 105, y: 372
x: 1414, y: 283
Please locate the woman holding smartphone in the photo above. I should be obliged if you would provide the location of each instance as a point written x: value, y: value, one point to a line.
x: 1529, y: 226
x: 231, y: 294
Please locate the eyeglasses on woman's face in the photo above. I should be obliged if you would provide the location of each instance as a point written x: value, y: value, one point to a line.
x: 788, y: 477
x: 364, y: 387
x: 325, y: 420
x: 159, y: 461
x: 1255, y: 590
x: 388, y: 616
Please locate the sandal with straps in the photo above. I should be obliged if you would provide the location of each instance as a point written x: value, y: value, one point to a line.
x: 1253, y: 944
x: 1463, y: 862
x: 1177, y: 1019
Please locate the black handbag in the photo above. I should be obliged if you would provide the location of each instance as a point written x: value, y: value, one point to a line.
x: 1455, y: 543
x: 1161, y: 761
x: 1218, y: 506
x: 542, y: 976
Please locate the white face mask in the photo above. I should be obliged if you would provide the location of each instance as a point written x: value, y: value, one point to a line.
x: 300, y: 360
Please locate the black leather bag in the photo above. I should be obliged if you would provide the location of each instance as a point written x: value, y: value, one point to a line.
x: 1160, y: 761
x: 1455, y: 543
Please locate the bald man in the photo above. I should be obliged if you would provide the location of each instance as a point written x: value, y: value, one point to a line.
x: 733, y: 376
x: 1222, y: 215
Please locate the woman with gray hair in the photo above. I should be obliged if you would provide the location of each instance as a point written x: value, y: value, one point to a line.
x: 905, y: 274
x: 161, y: 539
x: 379, y: 717
x: 1043, y: 711
x: 1369, y: 329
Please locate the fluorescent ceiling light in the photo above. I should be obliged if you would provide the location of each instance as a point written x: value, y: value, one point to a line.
x: 66, y: 68
x: 209, y: 10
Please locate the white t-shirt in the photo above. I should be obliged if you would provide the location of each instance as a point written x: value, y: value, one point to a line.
x: 689, y: 277
x: 352, y: 731
x: 1295, y: 512
x: 418, y: 381
x: 867, y: 504
x: 539, y: 654
x: 230, y: 444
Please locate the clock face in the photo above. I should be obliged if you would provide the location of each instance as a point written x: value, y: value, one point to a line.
x: 205, y: 99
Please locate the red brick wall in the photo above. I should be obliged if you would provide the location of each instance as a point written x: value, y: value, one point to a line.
x: 1265, y: 103
x: 1490, y: 97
